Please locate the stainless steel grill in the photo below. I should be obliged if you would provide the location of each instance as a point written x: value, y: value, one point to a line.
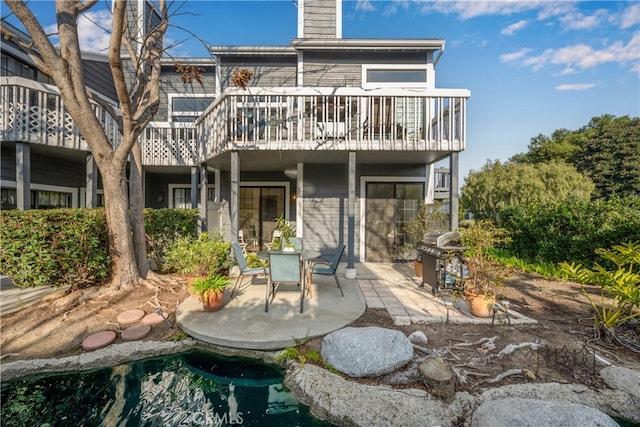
x: 442, y: 263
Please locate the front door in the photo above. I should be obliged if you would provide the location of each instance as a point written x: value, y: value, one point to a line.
x: 259, y: 206
x: 389, y: 208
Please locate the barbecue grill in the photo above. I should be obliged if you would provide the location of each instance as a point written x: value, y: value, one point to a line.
x: 442, y: 262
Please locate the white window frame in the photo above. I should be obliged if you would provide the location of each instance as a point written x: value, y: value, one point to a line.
x: 194, y: 114
x: 427, y: 68
x: 187, y: 186
x: 45, y: 187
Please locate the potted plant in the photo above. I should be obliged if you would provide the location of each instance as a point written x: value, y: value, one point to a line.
x: 429, y: 217
x: 288, y: 231
x: 210, y: 290
x: 484, y: 276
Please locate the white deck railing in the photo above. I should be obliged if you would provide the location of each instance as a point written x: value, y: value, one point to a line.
x: 296, y: 118
x: 34, y: 112
x: 287, y: 118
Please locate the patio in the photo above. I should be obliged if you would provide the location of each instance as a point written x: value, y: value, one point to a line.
x: 242, y: 323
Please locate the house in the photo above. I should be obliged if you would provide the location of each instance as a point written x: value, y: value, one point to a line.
x: 341, y: 136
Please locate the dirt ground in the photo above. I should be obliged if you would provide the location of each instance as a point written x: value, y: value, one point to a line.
x: 56, y: 326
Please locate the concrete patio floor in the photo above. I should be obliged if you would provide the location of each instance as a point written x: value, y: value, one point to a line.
x: 243, y: 323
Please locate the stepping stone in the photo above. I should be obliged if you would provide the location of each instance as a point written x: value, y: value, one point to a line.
x: 134, y: 333
x: 98, y: 340
x: 130, y: 316
x: 152, y: 319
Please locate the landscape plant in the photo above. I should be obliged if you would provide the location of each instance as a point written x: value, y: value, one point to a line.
x: 429, y: 217
x: 485, y: 276
x: 288, y: 231
x: 619, y: 282
x: 198, y: 256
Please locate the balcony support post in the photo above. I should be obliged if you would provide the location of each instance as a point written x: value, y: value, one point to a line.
x: 299, y: 200
x: 23, y: 175
x: 204, y: 199
x: 454, y: 193
x: 350, y: 272
x: 194, y: 187
x: 235, y: 195
x: 91, y: 196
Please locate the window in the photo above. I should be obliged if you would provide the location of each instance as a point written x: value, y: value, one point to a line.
x: 181, y: 196
x: 8, y: 198
x: 394, y: 75
x: 186, y: 108
x: 42, y: 199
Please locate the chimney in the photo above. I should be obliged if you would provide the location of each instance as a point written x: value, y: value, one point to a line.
x: 320, y: 19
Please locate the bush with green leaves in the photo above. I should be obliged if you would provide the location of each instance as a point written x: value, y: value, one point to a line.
x: 570, y: 230
x: 198, y: 256
x: 619, y: 286
x: 164, y: 226
x: 54, y: 247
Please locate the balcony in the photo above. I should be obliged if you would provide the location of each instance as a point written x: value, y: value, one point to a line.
x: 298, y: 118
x: 33, y: 112
x: 257, y: 119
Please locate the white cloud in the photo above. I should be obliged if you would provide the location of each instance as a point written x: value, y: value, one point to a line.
x: 635, y: 68
x: 580, y: 55
x: 511, y: 29
x: 93, y: 30
x: 578, y: 21
x: 514, y: 56
x: 576, y: 86
x: 365, y: 5
x: 630, y: 16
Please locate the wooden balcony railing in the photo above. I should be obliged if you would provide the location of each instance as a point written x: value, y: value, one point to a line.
x: 334, y: 118
x: 34, y: 112
x: 288, y: 118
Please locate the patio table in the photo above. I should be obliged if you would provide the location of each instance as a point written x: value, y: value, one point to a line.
x: 306, y: 256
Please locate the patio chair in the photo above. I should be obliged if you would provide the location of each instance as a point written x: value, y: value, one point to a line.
x: 328, y: 268
x: 277, y: 235
x: 245, y: 270
x: 284, y: 267
x: 243, y: 243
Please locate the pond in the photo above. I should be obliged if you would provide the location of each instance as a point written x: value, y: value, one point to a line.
x: 189, y: 389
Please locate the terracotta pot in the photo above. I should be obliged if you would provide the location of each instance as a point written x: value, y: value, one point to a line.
x: 480, y: 305
x: 212, y: 301
x: 418, y: 266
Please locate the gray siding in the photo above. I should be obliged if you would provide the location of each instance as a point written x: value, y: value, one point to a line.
x: 264, y: 74
x: 58, y: 169
x: 171, y: 83
x: 99, y: 78
x: 319, y: 18
x: 325, y: 206
x: 345, y: 68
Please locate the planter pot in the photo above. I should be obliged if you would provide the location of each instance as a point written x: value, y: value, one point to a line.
x: 418, y: 266
x: 480, y: 305
x: 212, y: 301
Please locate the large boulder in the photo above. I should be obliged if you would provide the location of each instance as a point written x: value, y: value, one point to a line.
x: 621, y: 378
x: 534, y: 413
x: 366, y: 352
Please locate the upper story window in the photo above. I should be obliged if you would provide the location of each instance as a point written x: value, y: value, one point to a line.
x: 394, y: 75
x: 187, y: 107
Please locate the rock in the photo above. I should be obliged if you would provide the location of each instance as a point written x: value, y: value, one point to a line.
x: 533, y: 413
x: 418, y: 337
x: 366, y: 352
x: 620, y: 378
x: 616, y: 403
x: 439, y: 378
x: 348, y: 403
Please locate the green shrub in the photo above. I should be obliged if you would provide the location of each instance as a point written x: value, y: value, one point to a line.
x: 571, y: 230
x: 199, y: 256
x: 54, y: 247
x: 164, y: 226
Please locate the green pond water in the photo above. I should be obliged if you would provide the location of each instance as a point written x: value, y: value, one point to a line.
x: 190, y: 389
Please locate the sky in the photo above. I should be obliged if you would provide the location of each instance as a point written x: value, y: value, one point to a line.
x: 532, y: 66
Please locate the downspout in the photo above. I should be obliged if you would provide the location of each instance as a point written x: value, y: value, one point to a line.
x: 435, y: 61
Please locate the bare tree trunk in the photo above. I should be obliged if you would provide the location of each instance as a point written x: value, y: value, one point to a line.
x: 136, y: 205
x: 125, y: 270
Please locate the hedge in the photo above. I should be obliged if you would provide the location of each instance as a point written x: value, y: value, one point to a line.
x: 571, y: 230
x: 69, y: 246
